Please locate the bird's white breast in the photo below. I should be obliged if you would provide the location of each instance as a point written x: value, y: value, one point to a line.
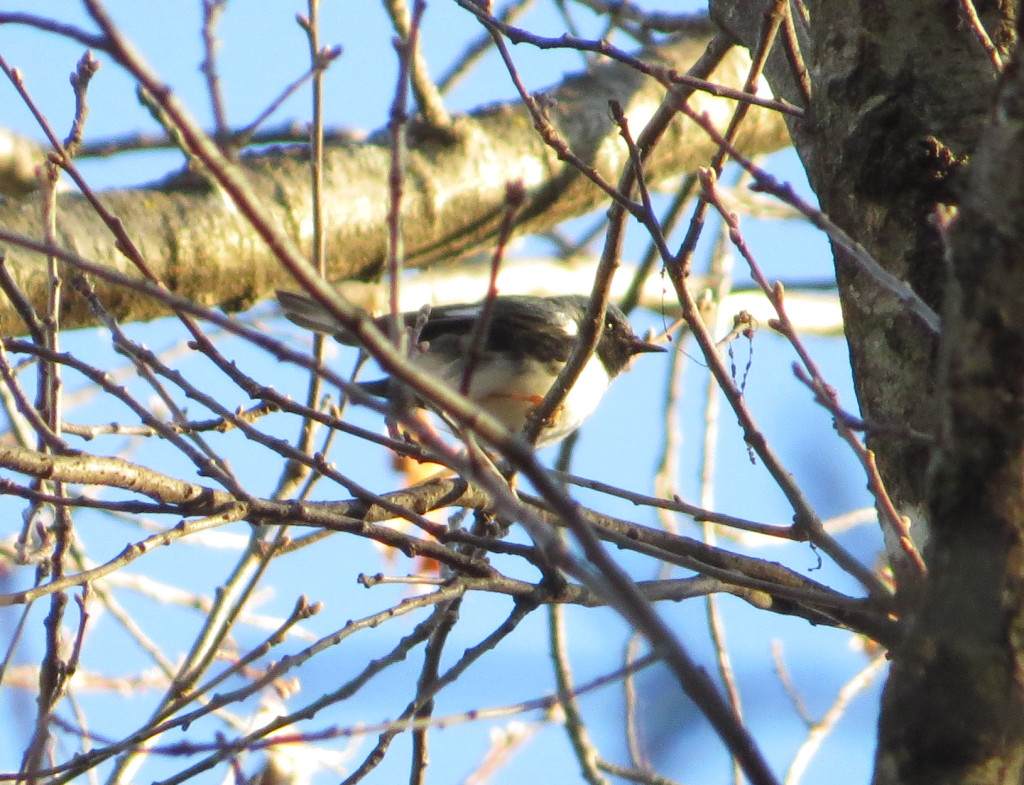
x: 510, y: 390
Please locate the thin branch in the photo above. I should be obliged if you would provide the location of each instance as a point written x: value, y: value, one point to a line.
x: 428, y: 96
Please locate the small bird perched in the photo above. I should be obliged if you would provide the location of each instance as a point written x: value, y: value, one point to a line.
x: 527, y: 343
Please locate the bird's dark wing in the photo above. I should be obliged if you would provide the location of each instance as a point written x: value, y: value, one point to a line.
x: 521, y: 325
x: 454, y: 320
x: 308, y: 313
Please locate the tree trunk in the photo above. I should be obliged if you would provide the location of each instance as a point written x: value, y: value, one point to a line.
x: 906, y: 114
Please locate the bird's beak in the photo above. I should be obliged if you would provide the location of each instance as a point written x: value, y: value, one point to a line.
x: 640, y: 347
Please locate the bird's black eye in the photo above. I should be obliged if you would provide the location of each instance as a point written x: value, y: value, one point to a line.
x: 609, y: 325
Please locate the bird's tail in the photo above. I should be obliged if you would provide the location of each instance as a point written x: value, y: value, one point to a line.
x: 379, y: 388
x: 308, y: 313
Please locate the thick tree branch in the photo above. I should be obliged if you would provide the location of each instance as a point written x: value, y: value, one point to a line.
x: 204, y: 250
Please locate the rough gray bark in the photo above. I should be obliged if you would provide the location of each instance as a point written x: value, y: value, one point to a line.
x: 455, y: 193
x: 903, y: 118
x: 954, y: 707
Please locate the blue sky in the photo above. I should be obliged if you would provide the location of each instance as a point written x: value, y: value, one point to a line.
x: 262, y: 51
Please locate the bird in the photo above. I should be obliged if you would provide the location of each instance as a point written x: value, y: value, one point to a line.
x: 528, y: 340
